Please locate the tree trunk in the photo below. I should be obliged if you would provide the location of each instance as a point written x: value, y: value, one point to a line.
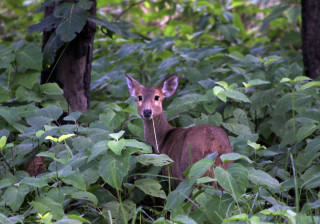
x: 311, y: 37
x: 73, y: 70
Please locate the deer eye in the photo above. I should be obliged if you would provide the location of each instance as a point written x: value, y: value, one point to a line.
x: 139, y: 98
x: 156, y: 98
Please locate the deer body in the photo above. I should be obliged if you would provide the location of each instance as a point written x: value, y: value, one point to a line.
x: 172, y: 141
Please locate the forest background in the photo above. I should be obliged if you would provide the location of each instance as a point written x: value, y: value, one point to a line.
x: 241, y: 67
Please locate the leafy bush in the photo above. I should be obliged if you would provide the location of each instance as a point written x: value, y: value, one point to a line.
x: 98, y: 168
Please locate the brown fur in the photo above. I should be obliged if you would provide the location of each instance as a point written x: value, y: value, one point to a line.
x: 203, y: 139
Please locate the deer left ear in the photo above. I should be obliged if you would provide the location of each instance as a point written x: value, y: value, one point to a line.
x: 169, y: 86
x: 132, y: 85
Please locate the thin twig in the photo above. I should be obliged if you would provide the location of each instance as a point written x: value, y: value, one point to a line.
x: 155, y: 136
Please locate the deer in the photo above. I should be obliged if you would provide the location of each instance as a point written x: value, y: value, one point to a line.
x: 201, y: 140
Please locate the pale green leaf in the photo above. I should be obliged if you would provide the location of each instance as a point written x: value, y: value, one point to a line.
x: 64, y: 137
x: 233, y: 157
x: 154, y: 159
x: 117, y: 146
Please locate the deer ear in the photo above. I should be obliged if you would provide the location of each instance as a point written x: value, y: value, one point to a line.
x: 132, y: 85
x: 169, y: 86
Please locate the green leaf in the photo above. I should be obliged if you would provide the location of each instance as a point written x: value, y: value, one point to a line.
x: 117, y: 146
x: 151, y: 187
x: 51, y: 89
x: 220, y: 93
x: 240, y: 175
x: 114, y: 213
x: 284, y: 104
x: 223, y: 84
x: 73, y: 20
x: 30, y: 57
x: 116, y: 27
x: 183, y: 219
x: 46, y: 204
x: 311, y: 177
x: 117, y: 136
x: 51, y: 48
x: 309, y: 85
x: 35, y: 181
x: 293, y: 13
x: 285, y: 80
x: 218, y: 208
x: 182, y: 104
x: 239, y: 217
x: 198, y: 169
x: 112, y: 119
x: 3, y: 141
x: 5, y: 95
x: 74, y: 116
x: 52, y: 138
x: 233, y: 157
x: 64, y: 137
x: 306, y: 130
x: 301, y: 78
x: 238, y: 129
x: 43, y: 116
x: 136, y: 127
x: 24, y: 94
x: 229, y: 31
x: 75, y: 179
x: 113, y: 168
x: 14, y: 196
x: 227, y: 181
x: 98, y: 148
x: 260, y: 177
x: 84, y: 195
x: 236, y: 95
x: 154, y: 159
x: 168, y: 63
x: 140, y: 145
x: 176, y: 197
x: 6, y: 56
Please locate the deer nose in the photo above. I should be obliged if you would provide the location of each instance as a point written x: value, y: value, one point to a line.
x: 147, y: 113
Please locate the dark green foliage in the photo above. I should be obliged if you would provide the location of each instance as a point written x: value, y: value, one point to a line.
x: 236, y: 71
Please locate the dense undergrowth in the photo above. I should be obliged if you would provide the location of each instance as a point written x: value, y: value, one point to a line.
x: 99, y: 170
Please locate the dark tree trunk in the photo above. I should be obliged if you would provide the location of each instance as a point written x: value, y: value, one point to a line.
x: 73, y: 70
x: 311, y: 37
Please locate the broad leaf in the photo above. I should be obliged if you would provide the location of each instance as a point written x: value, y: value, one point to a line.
x: 84, y: 195
x: 117, y: 146
x: 113, y: 168
x: 260, y: 177
x: 51, y: 89
x: 233, y: 157
x: 218, y: 208
x: 73, y: 20
x: 46, y: 204
x: 178, y: 196
x: 30, y: 57
x: 154, y: 159
x: 140, y: 145
x: 150, y: 187
x: 227, y: 181
x: 14, y: 196
x: 198, y: 169
x: 75, y: 179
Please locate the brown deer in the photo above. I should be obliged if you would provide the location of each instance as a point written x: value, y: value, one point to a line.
x: 175, y: 142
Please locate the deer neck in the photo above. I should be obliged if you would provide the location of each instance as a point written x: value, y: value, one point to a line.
x: 161, y: 126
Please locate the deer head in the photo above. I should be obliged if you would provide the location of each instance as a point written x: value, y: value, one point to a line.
x: 149, y: 99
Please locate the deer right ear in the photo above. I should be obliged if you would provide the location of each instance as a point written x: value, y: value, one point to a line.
x: 132, y: 85
x: 169, y: 86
